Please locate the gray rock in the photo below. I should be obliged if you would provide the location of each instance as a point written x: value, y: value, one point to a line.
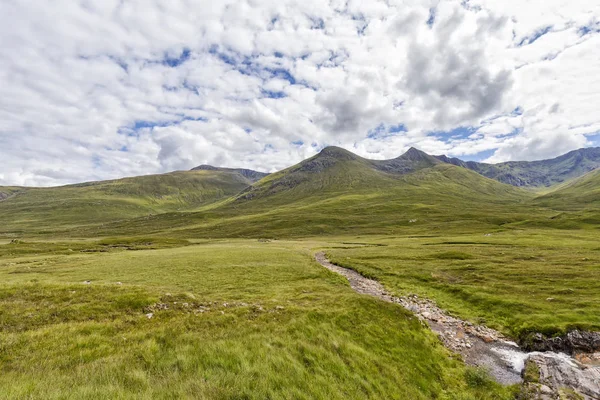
x: 560, y: 371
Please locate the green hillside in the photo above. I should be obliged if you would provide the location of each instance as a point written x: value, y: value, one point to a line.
x: 578, y: 194
x: 337, y: 192
x: 29, y: 210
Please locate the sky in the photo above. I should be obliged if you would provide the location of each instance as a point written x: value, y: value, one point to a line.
x: 102, y: 89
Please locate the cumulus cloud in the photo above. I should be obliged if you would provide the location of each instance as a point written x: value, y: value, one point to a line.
x: 94, y: 89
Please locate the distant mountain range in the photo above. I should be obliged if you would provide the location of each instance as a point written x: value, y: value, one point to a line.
x: 536, y: 173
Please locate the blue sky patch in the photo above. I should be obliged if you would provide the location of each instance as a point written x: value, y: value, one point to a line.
x: 397, y: 128
x: 594, y: 138
x: 137, y: 125
x: 431, y: 19
x: 281, y: 73
x: 482, y: 155
x: 462, y: 132
x: 381, y: 131
x: 177, y: 61
x: 587, y: 29
x: 535, y: 36
x: 273, y: 94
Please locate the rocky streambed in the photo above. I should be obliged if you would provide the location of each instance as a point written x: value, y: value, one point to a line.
x: 550, y: 370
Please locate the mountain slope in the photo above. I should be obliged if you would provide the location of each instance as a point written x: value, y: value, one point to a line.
x: 249, y: 174
x: 581, y: 193
x: 335, y: 170
x: 26, y: 209
x: 536, y: 173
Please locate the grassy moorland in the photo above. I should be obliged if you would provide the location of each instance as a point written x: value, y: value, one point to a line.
x: 518, y: 281
x: 235, y: 319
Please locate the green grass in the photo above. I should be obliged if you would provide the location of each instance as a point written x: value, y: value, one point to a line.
x: 516, y: 281
x: 244, y: 320
x: 38, y: 210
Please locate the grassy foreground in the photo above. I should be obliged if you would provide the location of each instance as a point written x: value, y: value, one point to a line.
x: 232, y: 320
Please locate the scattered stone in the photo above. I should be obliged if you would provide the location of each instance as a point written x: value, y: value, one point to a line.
x: 149, y: 315
x: 546, y: 390
x: 87, y: 282
x: 550, y: 299
x: 487, y: 339
x: 279, y: 308
x: 119, y: 283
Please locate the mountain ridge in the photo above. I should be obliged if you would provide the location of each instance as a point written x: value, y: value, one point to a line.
x: 538, y: 173
x: 532, y: 174
x: 249, y: 174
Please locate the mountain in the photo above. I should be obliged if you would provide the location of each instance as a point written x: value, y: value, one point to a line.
x: 336, y: 170
x: 580, y: 193
x: 249, y: 174
x: 536, y: 173
x: 96, y: 203
x: 337, y: 192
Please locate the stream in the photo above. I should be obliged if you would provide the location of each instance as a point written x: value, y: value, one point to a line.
x: 483, y: 347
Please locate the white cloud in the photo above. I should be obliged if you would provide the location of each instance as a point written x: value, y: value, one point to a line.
x: 94, y: 89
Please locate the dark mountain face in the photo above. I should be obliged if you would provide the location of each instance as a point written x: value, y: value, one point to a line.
x: 408, y: 162
x: 536, y: 173
x: 252, y: 176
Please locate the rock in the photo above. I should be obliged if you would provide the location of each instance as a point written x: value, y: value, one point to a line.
x: 87, y: 282
x: 546, y: 390
x: 588, y: 342
x: 149, y: 315
x: 487, y: 338
x: 583, y: 358
x: 426, y: 315
x: 573, y: 342
x: 119, y: 283
x: 558, y: 371
x: 550, y: 299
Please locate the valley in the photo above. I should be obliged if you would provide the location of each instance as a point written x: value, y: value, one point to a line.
x: 204, y: 284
